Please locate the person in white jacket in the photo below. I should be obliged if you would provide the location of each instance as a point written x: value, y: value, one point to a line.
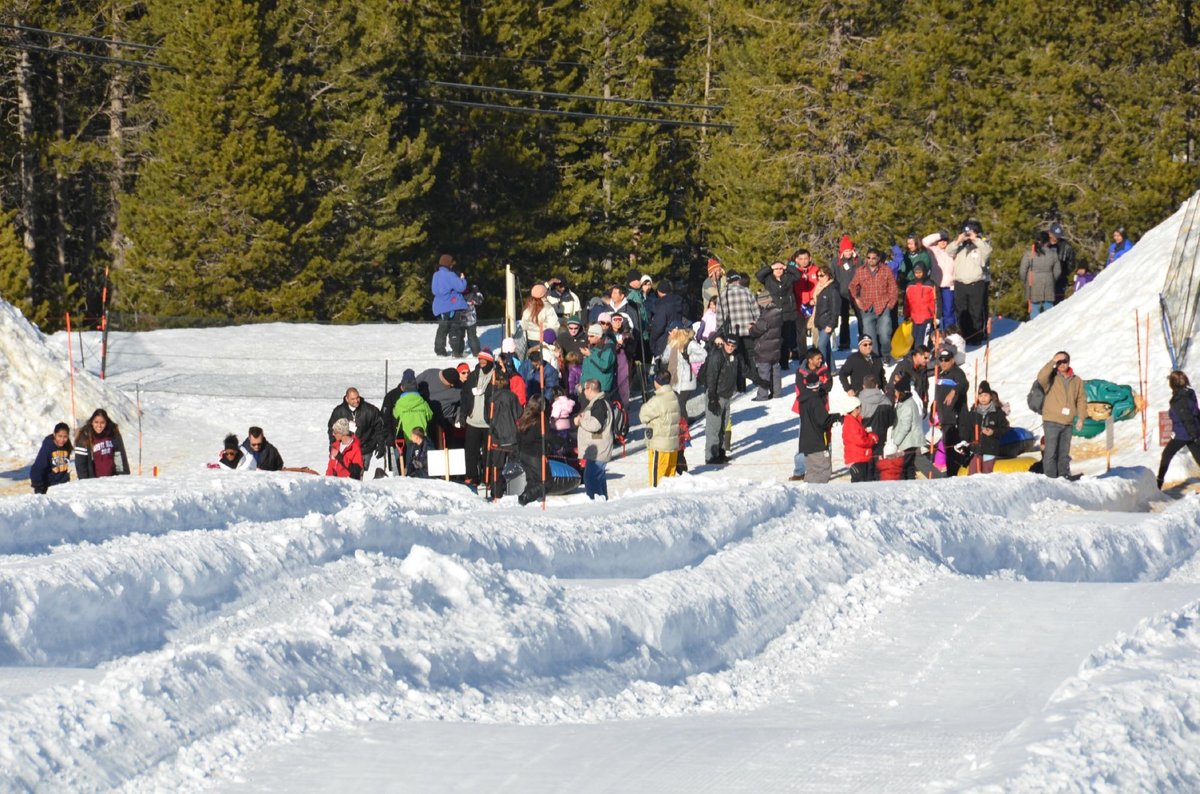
x: 536, y: 317
x: 908, y: 433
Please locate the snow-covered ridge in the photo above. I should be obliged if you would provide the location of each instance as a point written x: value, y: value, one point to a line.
x: 369, y: 609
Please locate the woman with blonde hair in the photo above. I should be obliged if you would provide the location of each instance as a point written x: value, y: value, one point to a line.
x: 1185, y: 422
x: 682, y: 359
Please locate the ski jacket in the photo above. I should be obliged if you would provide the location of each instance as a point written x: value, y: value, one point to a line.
x: 721, y: 370
x: 989, y: 417
x: 366, y: 423
x: 843, y: 273
x: 506, y: 410
x: 411, y: 412
x: 952, y: 380
x: 52, y: 466
x: 941, y: 260
x: 100, y: 456
x: 442, y: 397
x: 601, y: 364
x: 828, y: 307
x: 448, y: 288
x: 920, y: 302
x: 782, y: 289
x: 265, y: 459
x: 346, y: 462
x: 1066, y: 400
x: 814, y: 415
x: 856, y: 367
x: 667, y: 311
x: 1185, y: 415
x: 660, y: 414
x: 595, y: 438
x: 1117, y: 250
x: 908, y: 432
x: 767, y: 331
x: 971, y: 260
x: 858, y: 444
x: 1040, y: 271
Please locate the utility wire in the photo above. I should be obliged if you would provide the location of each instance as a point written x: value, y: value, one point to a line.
x: 575, y: 114
x: 583, y: 97
x: 509, y: 59
x: 84, y: 55
x: 79, y: 37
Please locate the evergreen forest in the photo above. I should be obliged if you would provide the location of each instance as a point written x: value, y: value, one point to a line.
x: 217, y: 161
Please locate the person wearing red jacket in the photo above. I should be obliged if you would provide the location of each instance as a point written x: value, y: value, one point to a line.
x: 920, y: 305
x: 857, y: 442
x: 345, y: 453
x: 803, y: 288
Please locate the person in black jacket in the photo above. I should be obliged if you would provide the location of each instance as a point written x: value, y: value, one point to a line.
x: 258, y: 453
x: 1185, y: 422
x: 502, y: 424
x: 816, y: 423
x: 52, y: 466
x: 987, y: 425
x: 442, y: 389
x: 366, y: 423
x: 859, y: 364
x: 780, y: 280
x: 915, y: 368
x: 1066, y: 259
x: 950, y: 408
x: 720, y: 384
x: 666, y: 311
x: 767, y: 331
x: 827, y: 309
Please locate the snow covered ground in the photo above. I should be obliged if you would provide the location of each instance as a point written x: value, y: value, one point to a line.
x: 727, y: 631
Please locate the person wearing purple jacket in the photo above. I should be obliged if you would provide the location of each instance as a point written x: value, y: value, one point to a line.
x: 449, y: 307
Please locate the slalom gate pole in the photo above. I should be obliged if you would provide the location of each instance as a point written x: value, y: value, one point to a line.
x: 104, y: 327
x: 82, y: 363
x: 542, y: 385
x: 139, y: 414
x: 976, y: 386
x: 1146, y: 382
x: 71, y: 369
x: 1137, y: 328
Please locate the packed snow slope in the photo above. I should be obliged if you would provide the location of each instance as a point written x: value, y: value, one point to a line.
x: 35, y: 387
x: 726, y: 631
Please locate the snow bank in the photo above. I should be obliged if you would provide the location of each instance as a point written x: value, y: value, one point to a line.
x: 405, y: 601
x: 1133, y: 712
x: 36, y: 391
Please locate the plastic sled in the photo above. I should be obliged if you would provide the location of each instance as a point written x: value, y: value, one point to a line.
x: 902, y: 340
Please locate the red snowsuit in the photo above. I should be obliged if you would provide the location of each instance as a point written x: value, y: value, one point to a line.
x: 858, y: 444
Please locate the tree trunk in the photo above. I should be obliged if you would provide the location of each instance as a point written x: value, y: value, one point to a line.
x: 28, y: 164
x: 60, y: 198
x: 118, y: 87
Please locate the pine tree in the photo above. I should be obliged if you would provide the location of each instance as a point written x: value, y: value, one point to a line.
x: 212, y: 221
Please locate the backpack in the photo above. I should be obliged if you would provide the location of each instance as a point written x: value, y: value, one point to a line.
x: 1036, y: 397
x: 620, y: 422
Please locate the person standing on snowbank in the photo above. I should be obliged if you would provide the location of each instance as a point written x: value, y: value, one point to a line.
x: 1065, y: 405
x: 99, y: 448
x: 595, y: 439
x: 1185, y: 422
x: 52, y: 466
x: 449, y: 307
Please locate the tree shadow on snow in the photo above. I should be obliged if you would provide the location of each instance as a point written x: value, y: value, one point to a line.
x: 15, y: 474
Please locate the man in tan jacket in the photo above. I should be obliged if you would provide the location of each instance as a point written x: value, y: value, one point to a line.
x: 1065, y: 405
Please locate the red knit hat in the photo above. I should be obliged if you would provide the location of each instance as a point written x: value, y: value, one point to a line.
x: 845, y: 245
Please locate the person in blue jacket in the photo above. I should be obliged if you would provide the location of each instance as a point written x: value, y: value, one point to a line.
x: 52, y: 466
x: 449, y: 307
x: 1119, y: 247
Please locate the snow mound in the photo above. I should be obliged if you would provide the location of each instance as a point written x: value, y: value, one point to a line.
x: 1097, y: 327
x: 35, y: 388
x: 344, y: 602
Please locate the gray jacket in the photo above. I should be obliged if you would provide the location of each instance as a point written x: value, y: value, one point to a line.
x: 1039, y: 274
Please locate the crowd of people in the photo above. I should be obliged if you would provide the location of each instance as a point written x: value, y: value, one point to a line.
x: 562, y: 384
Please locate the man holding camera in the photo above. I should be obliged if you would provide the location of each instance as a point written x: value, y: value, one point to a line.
x: 972, y: 272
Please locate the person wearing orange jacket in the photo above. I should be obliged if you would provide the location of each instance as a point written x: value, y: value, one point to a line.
x: 857, y: 442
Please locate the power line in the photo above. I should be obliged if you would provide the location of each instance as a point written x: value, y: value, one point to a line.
x: 509, y: 59
x: 84, y: 55
x: 575, y: 114
x: 584, y: 97
x: 78, y: 37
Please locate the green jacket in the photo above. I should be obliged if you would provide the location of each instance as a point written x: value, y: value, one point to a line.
x: 411, y: 411
x: 601, y: 364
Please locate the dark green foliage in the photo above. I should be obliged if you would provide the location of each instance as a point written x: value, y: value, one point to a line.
x: 299, y: 162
